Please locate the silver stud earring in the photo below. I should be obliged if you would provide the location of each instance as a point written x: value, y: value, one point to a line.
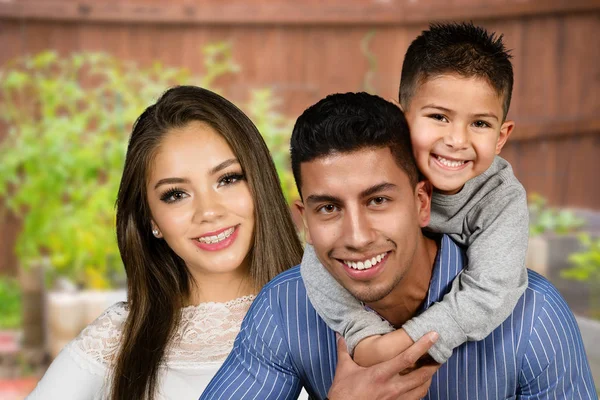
x: 155, y: 232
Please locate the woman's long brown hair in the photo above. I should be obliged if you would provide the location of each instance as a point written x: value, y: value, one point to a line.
x: 158, y: 281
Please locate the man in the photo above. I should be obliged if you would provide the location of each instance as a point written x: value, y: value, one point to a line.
x: 362, y: 201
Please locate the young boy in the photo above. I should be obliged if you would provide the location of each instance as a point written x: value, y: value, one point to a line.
x: 455, y: 91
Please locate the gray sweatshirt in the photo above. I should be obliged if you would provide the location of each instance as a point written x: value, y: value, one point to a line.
x: 489, y: 217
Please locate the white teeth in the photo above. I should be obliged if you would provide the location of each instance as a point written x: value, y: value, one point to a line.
x: 217, y: 238
x: 449, y: 163
x: 360, y: 265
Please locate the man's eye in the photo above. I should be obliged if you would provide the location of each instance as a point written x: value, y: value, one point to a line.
x: 327, y: 209
x: 378, y: 201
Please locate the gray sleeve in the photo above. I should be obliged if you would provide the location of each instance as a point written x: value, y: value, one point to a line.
x: 340, y: 310
x: 485, y: 293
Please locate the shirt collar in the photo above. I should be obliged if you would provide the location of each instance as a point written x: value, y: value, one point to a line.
x: 449, y: 261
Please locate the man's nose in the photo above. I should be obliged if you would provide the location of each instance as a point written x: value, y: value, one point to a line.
x: 358, y: 230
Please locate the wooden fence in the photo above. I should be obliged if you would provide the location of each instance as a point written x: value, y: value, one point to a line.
x: 305, y: 51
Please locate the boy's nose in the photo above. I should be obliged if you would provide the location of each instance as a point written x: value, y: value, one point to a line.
x: 456, y: 138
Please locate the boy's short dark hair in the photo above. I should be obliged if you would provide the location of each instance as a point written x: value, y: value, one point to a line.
x: 459, y: 48
x: 349, y: 122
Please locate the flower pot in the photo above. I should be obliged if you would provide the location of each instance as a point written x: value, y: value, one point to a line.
x: 69, y: 312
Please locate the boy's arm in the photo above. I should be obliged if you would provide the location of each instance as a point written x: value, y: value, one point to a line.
x: 259, y: 365
x: 485, y: 293
x: 340, y: 310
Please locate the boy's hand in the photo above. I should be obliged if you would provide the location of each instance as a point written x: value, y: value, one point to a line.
x: 379, y: 348
x: 384, y: 381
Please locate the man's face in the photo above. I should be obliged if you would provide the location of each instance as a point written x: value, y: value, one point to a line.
x: 364, y: 219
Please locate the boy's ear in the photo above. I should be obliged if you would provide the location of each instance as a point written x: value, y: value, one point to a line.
x: 505, y: 131
x: 302, y: 211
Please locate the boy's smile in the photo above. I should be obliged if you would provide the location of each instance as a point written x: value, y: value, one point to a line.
x: 456, y: 129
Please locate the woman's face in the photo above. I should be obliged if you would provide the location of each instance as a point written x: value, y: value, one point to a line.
x: 200, y: 201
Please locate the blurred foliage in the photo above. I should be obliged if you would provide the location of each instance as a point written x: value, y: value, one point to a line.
x: 275, y: 129
x: 68, y: 121
x: 365, y: 43
x: 586, y: 268
x: 546, y: 219
x: 10, y: 303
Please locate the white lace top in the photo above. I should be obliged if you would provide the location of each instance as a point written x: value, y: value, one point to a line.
x: 201, y: 344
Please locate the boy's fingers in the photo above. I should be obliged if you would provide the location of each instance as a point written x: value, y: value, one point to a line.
x: 342, y: 349
x: 410, y: 356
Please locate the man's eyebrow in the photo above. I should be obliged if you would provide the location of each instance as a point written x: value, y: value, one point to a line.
x: 322, y: 198
x: 377, y: 188
x: 224, y: 165
x: 325, y: 198
x: 170, y: 181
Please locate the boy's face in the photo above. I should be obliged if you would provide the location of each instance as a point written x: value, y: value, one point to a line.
x: 456, y: 129
x: 364, y: 219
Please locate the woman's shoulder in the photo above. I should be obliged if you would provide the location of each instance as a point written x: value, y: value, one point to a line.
x: 98, y: 343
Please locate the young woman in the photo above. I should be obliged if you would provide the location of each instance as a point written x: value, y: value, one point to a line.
x: 202, y: 225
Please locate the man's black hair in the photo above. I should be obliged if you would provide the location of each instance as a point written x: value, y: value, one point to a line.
x: 457, y: 48
x: 343, y: 123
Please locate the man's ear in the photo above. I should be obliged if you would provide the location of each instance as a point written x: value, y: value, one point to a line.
x: 505, y: 131
x: 397, y: 104
x: 302, y: 211
x: 423, y: 192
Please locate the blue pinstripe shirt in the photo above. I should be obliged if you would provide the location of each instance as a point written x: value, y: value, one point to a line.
x: 537, y: 353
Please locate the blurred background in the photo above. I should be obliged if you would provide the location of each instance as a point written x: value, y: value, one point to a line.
x: 74, y: 74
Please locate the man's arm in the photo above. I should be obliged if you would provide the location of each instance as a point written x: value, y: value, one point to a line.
x: 555, y: 365
x: 259, y: 365
x: 397, y: 378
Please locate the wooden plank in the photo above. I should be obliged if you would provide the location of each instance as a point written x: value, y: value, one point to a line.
x: 292, y: 13
x: 554, y: 128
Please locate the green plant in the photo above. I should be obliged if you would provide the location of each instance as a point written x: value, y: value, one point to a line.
x: 68, y: 122
x: 546, y: 219
x: 586, y: 268
x: 276, y: 130
x: 10, y: 303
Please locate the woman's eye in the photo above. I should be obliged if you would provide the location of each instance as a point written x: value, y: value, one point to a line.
x: 230, y: 179
x: 173, y: 196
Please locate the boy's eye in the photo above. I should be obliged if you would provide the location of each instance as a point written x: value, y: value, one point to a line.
x: 327, y: 209
x: 481, y: 124
x: 230, y: 179
x: 173, y: 195
x: 439, y: 117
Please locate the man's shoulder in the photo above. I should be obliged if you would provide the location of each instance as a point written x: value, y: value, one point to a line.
x: 545, y: 301
x: 286, y: 287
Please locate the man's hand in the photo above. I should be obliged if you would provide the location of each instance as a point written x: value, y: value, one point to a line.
x: 384, y: 381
